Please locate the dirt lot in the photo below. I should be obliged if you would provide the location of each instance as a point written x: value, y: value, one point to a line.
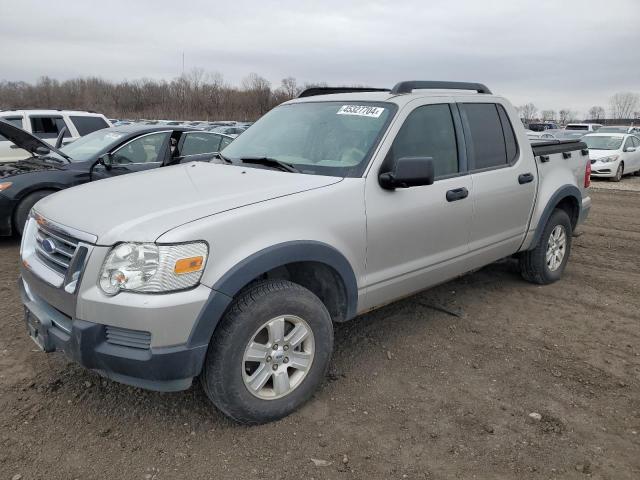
x: 413, y: 392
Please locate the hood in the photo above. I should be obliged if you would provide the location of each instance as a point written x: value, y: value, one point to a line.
x: 596, y: 154
x: 25, y: 140
x: 140, y: 207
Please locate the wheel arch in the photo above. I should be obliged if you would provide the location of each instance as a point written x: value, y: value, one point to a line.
x: 567, y: 198
x: 314, y: 265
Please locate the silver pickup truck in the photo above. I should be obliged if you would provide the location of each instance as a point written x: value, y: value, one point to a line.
x: 331, y: 205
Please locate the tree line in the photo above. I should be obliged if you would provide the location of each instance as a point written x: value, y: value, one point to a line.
x: 193, y: 96
x: 206, y: 96
x: 623, y: 107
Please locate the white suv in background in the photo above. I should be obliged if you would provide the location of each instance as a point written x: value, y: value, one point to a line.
x: 47, y: 125
x: 586, y: 127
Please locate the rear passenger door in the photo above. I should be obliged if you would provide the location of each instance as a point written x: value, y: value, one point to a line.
x: 503, y: 178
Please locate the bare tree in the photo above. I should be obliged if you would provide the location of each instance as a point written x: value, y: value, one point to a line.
x: 596, y: 113
x: 566, y: 116
x: 528, y: 112
x: 548, y: 115
x: 623, y: 104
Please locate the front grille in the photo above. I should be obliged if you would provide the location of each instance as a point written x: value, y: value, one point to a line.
x: 128, y: 338
x: 55, y: 249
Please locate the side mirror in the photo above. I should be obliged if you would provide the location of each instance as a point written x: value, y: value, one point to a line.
x: 106, y: 161
x: 408, y: 172
x: 630, y: 149
x: 40, y: 150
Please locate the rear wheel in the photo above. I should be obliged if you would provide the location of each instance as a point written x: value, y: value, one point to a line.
x: 24, y: 207
x: 546, y: 262
x: 619, y: 173
x: 270, y: 352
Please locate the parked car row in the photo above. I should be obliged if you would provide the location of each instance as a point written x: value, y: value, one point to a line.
x: 102, y: 154
x: 233, y: 271
x: 226, y: 127
x: 63, y: 126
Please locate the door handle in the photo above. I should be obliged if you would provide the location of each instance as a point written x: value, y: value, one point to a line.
x: 457, y: 194
x: 525, y: 178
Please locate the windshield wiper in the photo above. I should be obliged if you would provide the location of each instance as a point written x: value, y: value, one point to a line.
x: 271, y: 162
x: 222, y: 157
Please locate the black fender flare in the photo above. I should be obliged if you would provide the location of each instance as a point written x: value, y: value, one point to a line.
x: 261, y: 262
x: 563, y: 192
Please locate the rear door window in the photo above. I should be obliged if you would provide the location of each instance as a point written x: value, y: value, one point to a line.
x: 485, y: 137
x: 48, y: 126
x: 428, y: 131
x: 86, y: 124
x: 199, y: 142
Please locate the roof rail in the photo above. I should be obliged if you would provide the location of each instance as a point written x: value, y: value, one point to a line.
x: 409, y: 86
x: 313, y: 91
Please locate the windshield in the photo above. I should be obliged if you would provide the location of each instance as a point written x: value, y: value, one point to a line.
x: 322, y: 138
x: 603, y: 142
x: 87, y: 147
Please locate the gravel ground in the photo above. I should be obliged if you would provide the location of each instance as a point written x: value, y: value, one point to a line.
x: 518, y: 381
x: 629, y: 183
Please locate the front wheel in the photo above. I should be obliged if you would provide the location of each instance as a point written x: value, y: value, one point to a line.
x: 270, y: 352
x: 21, y: 214
x: 619, y: 173
x: 547, y: 261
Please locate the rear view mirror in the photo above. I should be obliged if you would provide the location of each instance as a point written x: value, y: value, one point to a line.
x: 408, y: 172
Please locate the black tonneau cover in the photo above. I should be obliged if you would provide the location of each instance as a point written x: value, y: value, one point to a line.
x: 548, y: 147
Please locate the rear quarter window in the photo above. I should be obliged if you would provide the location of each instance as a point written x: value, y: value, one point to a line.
x: 88, y: 124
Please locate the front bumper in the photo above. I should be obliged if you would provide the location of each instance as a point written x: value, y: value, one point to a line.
x: 152, y: 368
x: 604, y: 169
x: 6, y: 215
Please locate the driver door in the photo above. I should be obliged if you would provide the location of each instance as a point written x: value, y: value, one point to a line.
x: 418, y: 236
x: 142, y: 153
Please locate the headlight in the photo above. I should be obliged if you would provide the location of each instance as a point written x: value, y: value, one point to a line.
x: 5, y: 185
x: 609, y: 159
x: 151, y: 268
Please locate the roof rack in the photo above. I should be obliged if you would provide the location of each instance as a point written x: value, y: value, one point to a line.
x: 313, y: 91
x: 409, y: 86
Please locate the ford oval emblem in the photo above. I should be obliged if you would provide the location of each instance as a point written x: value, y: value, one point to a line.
x: 48, y: 245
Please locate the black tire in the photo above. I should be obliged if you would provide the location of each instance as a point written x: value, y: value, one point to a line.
x: 222, y: 374
x: 21, y: 213
x: 533, y: 264
x: 619, y: 173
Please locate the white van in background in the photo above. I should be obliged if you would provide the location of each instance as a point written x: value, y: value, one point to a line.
x: 586, y: 127
x: 47, y: 125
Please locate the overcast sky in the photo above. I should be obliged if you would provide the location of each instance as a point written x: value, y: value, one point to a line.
x: 555, y: 53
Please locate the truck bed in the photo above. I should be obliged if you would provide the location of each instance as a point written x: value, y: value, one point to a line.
x: 548, y: 147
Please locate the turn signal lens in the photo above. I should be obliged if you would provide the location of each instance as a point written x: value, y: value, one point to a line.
x: 188, y: 265
x: 5, y: 185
